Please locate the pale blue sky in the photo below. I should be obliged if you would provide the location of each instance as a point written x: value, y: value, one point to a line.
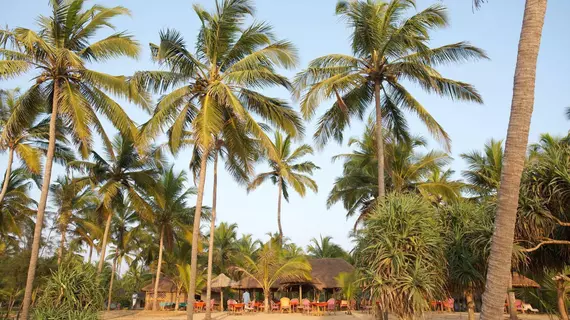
x: 315, y: 30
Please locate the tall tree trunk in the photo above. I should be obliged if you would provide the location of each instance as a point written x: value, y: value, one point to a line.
x: 470, y: 304
x: 104, y: 244
x: 90, y: 253
x: 61, y: 245
x: 111, y: 285
x: 41, y: 206
x: 499, y: 266
x: 280, y: 187
x: 511, y: 300
x: 379, y: 141
x: 266, y: 300
x: 208, y: 315
x: 176, y: 302
x: 7, y: 174
x: 561, y: 295
x: 158, y: 267
x: 196, y: 235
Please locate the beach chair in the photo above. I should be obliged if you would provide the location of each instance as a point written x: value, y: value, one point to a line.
x: 449, y: 305
x: 285, y: 304
x: 249, y: 307
x: 331, y: 306
x: 294, y: 304
x: 528, y: 307
x: 518, y: 305
x: 231, y: 303
x: 306, y: 306
x: 274, y: 306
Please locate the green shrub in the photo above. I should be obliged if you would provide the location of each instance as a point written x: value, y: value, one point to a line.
x: 71, y: 292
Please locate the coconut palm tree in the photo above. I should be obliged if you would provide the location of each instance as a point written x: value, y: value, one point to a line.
x: 325, y: 248
x: 386, y: 49
x: 484, y: 168
x: 247, y: 246
x: 122, y: 170
x: 399, y: 253
x: 406, y: 170
x: 225, y: 245
x: 169, y: 203
x: 287, y: 171
x: 72, y: 200
x: 125, y: 228
x: 232, y: 61
x: 348, y: 283
x: 58, y: 52
x: 271, y: 265
x: 498, y: 272
x: 16, y: 209
x: 29, y: 143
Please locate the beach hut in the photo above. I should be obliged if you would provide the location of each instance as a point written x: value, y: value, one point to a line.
x: 520, y: 281
x: 167, y: 293
x: 323, y: 274
x: 219, y: 283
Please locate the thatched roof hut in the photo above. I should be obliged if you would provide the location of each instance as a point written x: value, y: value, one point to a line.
x: 520, y: 281
x: 164, y: 285
x: 323, y: 274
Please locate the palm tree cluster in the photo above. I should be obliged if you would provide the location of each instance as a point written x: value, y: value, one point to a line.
x: 421, y: 233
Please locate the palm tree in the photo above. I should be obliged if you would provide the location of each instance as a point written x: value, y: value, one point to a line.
x: 386, y: 50
x: 169, y: 203
x: 58, y: 52
x: 16, y: 209
x: 124, y: 230
x: 122, y: 170
x: 399, y: 253
x: 270, y: 266
x: 225, y: 245
x: 217, y: 83
x: 325, y: 248
x: 466, y: 259
x: 72, y: 200
x: 498, y: 271
x: 28, y: 143
x: 286, y: 170
x: 406, y: 170
x: 348, y: 283
x: 484, y: 168
x: 247, y: 246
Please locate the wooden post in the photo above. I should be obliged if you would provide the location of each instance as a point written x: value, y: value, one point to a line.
x: 300, y: 293
x: 222, y: 299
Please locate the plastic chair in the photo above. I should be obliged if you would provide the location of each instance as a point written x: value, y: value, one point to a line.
x: 343, y: 304
x: 285, y: 304
x: 306, y: 306
x: 250, y: 307
x: 294, y: 304
x: 330, y: 306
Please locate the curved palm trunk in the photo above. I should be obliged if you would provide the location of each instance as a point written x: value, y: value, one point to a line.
x: 561, y: 296
x: 158, y: 267
x: 499, y: 265
x: 379, y: 141
x: 280, y: 186
x: 208, y: 314
x: 61, y: 246
x: 7, y: 174
x: 196, y: 236
x: 470, y: 304
x: 104, y: 243
x: 111, y: 285
x: 41, y: 206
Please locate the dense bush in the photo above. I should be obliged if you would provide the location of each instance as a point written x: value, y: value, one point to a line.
x: 71, y: 292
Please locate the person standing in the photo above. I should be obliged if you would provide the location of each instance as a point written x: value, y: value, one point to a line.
x: 245, y: 297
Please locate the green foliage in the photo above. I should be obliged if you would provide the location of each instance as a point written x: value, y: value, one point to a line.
x: 400, y: 254
x: 325, y: 248
x: 71, y: 292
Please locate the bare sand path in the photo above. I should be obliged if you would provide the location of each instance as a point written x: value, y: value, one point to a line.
x: 171, y: 315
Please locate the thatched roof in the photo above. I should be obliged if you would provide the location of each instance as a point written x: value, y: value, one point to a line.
x: 164, y: 285
x: 326, y: 270
x: 323, y: 275
x: 520, y: 281
x: 222, y: 281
